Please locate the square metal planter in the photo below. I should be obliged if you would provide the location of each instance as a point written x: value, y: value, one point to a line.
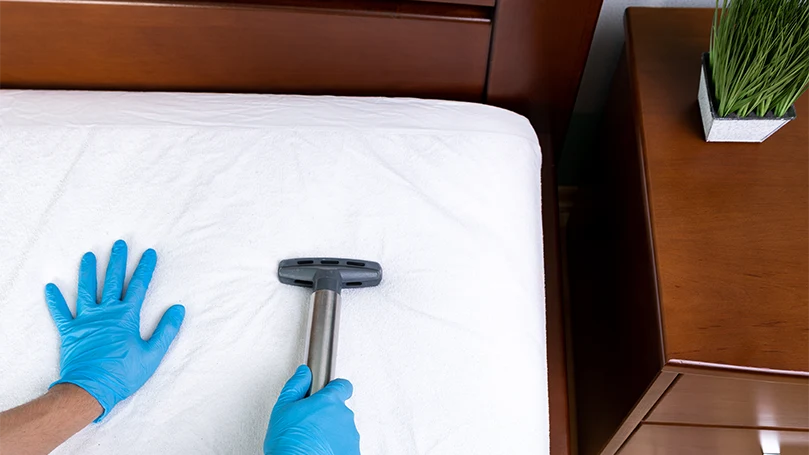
x: 733, y: 128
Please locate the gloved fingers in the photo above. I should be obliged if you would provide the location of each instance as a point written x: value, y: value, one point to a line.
x: 88, y: 283
x: 57, y: 306
x: 166, y: 330
x: 338, y: 389
x: 116, y: 273
x: 296, y: 387
x: 136, y: 291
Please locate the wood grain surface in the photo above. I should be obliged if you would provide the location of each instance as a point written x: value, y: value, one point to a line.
x: 730, y: 222
x: 463, y: 2
x: 414, y: 48
x: 208, y: 47
x: 648, y: 400
x: 464, y: 10
x: 538, y: 53
x: 686, y: 257
x: 679, y: 440
x: 712, y: 400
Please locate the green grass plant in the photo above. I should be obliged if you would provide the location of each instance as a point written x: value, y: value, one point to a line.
x: 759, y: 55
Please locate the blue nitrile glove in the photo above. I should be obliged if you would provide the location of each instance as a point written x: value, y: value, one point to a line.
x: 102, y: 351
x: 318, y: 425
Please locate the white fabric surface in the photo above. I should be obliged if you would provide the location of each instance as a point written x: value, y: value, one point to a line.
x: 447, y: 355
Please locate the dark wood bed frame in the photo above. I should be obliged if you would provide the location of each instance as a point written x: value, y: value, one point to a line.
x: 523, y: 55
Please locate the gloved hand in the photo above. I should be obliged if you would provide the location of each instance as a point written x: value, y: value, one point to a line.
x: 102, y: 351
x: 318, y: 425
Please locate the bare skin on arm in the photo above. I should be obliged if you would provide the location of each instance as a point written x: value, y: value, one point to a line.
x: 103, y: 360
x: 40, y: 426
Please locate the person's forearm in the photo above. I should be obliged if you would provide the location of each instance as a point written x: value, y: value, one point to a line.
x: 40, y: 426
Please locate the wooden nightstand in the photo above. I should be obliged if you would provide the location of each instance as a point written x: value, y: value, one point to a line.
x: 689, y: 268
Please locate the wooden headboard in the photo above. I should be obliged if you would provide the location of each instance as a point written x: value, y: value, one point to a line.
x: 523, y: 55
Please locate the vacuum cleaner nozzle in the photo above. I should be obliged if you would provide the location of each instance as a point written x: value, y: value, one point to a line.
x: 329, y: 273
x: 327, y: 277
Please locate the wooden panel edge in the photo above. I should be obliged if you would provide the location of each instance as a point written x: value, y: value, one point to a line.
x: 407, y: 9
x: 101, y: 46
x: 463, y: 2
x: 537, y: 58
x: 737, y: 372
x: 557, y: 355
x: 729, y: 427
x: 635, y: 105
x: 644, y: 406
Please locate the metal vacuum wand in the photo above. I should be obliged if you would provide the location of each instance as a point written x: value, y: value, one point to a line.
x: 327, y: 276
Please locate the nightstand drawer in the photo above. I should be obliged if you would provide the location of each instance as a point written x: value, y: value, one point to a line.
x: 717, y: 400
x: 679, y: 440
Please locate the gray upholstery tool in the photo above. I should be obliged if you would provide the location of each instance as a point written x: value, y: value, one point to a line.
x: 327, y: 276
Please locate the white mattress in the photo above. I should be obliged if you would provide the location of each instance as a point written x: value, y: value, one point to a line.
x: 447, y: 355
